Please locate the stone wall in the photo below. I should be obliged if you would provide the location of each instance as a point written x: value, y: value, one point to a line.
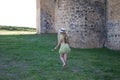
x: 38, y: 22
x: 84, y: 21
x: 62, y: 14
x: 47, y: 13
x: 113, y: 24
x: 89, y: 23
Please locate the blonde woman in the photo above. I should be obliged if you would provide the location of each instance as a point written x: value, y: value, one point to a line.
x: 63, y: 43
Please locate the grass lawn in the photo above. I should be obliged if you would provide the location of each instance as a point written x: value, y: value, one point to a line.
x: 6, y: 32
x: 29, y: 57
x: 14, y: 30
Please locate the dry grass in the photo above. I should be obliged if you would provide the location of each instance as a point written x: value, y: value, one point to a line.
x: 5, y: 32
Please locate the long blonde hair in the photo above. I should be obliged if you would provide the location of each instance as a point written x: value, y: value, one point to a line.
x: 66, y: 39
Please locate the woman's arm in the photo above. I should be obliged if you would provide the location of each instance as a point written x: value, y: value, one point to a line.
x: 60, y: 41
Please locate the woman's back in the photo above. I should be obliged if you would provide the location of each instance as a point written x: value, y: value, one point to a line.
x: 64, y: 39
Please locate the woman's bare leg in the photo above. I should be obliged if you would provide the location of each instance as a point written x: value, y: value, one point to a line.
x: 62, y: 59
x: 65, y: 58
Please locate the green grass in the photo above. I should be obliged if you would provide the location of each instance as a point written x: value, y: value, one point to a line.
x: 29, y: 57
x: 14, y: 28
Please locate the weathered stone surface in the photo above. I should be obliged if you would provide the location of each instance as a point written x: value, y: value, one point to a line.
x: 38, y: 22
x: 62, y: 14
x: 113, y: 25
x: 89, y: 23
x: 84, y: 21
x: 47, y: 12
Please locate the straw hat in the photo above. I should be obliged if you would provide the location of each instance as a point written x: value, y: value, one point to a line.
x: 62, y: 30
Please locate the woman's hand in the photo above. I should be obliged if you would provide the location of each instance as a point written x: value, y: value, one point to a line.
x: 54, y: 48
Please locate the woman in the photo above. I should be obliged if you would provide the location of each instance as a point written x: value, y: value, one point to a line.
x: 63, y: 42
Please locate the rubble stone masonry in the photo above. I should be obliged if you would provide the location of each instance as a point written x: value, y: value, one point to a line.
x: 89, y: 23
x: 113, y: 24
x: 45, y: 16
x: 84, y: 21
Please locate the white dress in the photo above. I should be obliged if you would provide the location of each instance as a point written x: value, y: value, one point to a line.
x: 64, y: 47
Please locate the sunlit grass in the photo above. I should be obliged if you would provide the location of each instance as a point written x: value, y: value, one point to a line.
x: 16, y: 28
x: 5, y: 32
x: 12, y: 30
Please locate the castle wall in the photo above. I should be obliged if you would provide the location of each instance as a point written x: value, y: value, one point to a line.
x: 89, y: 23
x: 38, y: 22
x: 62, y: 14
x: 46, y: 14
x: 113, y: 24
x: 84, y: 21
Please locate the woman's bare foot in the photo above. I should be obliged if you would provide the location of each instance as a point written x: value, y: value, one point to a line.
x: 64, y: 65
